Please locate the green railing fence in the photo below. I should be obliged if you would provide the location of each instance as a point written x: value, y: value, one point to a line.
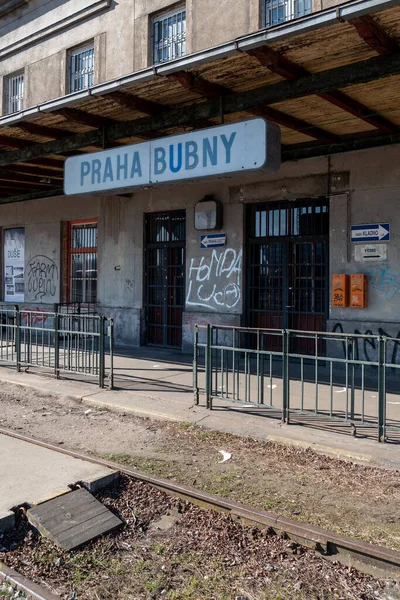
x: 58, y: 342
x: 319, y: 374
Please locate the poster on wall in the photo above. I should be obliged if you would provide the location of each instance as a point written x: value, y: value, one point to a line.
x: 14, y: 257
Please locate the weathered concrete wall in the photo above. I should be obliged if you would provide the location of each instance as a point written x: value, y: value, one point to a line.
x: 214, y: 277
x: 57, y: 26
x: 37, y: 36
x: 373, y: 198
x: 363, y: 187
x: 42, y: 263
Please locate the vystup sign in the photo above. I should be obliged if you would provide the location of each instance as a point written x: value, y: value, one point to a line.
x: 245, y: 146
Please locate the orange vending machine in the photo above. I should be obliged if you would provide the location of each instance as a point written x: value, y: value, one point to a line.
x: 358, y: 290
x: 340, y: 290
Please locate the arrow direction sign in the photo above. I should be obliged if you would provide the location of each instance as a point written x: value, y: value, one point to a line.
x: 374, y: 232
x: 213, y: 240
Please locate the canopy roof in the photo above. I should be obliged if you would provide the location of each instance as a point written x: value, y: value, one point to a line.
x: 330, y: 80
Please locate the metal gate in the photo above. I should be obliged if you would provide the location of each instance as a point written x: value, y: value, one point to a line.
x: 288, y: 266
x: 165, y: 277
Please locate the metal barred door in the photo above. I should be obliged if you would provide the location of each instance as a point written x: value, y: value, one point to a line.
x: 165, y: 277
x: 287, y: 266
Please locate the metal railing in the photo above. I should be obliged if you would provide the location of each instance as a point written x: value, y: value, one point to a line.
x: 80, y: 344
x: 318, y: 374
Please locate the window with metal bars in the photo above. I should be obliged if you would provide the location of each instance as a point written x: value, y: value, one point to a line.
x: 81, y: 68
x: 169, y: 36
x: 14, y: 93
x: 83, y: 262
x: 279, y: 11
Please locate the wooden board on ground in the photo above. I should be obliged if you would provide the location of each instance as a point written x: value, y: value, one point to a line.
x: 73, y: 519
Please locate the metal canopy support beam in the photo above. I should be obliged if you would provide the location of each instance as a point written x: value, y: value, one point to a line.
x: 340, y: 77
x: 359, y: 110
x: 374, y: 36
x: 41, y: 130
x: 30, y: 170
x: 46, y: 163
x: 293, y: 123
x: 11, y: 142
x: 300, y: 151
x: 212, y: 91
x: 199, y: 86
x: 84, y: 118
x: 134, y: 103
x: 291, y: 71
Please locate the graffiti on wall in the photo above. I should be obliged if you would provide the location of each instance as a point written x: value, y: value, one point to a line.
x: 215, y: 280
x: 385, y: 280
x: 34, y: 316
x: 367, y: 348
x: 42, y: 277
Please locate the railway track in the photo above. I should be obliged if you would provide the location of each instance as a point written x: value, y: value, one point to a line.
x: 367, y: 558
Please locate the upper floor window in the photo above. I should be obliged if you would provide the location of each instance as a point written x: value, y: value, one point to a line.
x: 169, y: 36
x: 14, y: 93
x: 279, y: 11
x: 81, y: 68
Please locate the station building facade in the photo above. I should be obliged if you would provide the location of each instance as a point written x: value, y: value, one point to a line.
x: 142, y: 254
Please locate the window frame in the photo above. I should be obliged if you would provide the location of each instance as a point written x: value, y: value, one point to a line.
x: 7, y: 110
x: 158, y: 18
x: 290, y: 8
x: 86, y: 250
x: 76, y: 51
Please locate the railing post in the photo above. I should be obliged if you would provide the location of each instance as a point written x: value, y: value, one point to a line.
x: 57, y: 344
x: 285, y: 376
x: 18, y: 336
x: 111, y: 338
x: 195, y: 366
x: 209, y: 368
x: 353, y: 379
x: 381, y: 390
x: 101, y: 351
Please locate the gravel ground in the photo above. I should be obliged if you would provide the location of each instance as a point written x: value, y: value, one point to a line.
x: 174, y: 550
x: 356, y: 500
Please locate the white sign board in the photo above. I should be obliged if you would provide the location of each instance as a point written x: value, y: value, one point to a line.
x: 14, y: 265
x: 245, y: 146
x: 370, y: 252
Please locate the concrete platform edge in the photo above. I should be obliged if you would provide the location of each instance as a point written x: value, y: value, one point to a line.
x: 113, y: 403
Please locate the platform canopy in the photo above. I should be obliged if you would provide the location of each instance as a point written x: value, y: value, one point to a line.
x: 331, y: 80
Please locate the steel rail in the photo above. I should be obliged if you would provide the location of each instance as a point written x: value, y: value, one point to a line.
x: 33, y: 590
x: 368, y: 558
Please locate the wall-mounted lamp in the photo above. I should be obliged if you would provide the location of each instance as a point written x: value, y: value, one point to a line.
x: 208, y: 214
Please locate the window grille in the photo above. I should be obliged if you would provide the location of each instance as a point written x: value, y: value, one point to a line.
x: 169, y: 34
x: 14, y: 93
x: 83, y: 262
x: 81, y: 69
x: 279, y: 11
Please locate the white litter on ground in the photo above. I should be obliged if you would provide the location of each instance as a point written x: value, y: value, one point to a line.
x: 225, y: 456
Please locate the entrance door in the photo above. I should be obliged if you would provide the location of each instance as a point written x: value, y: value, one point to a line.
x: 165, y: 277
x: 288, y: 265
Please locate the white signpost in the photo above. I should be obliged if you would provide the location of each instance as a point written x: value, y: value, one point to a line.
x: 252, y: 145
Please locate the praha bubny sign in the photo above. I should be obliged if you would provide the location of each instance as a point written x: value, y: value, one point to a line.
x: 245, y: 146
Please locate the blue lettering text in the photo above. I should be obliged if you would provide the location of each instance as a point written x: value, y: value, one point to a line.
x: 85, y: 170
x: 160, y: 164
x: 228, y: 146
x: 191, y: 156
